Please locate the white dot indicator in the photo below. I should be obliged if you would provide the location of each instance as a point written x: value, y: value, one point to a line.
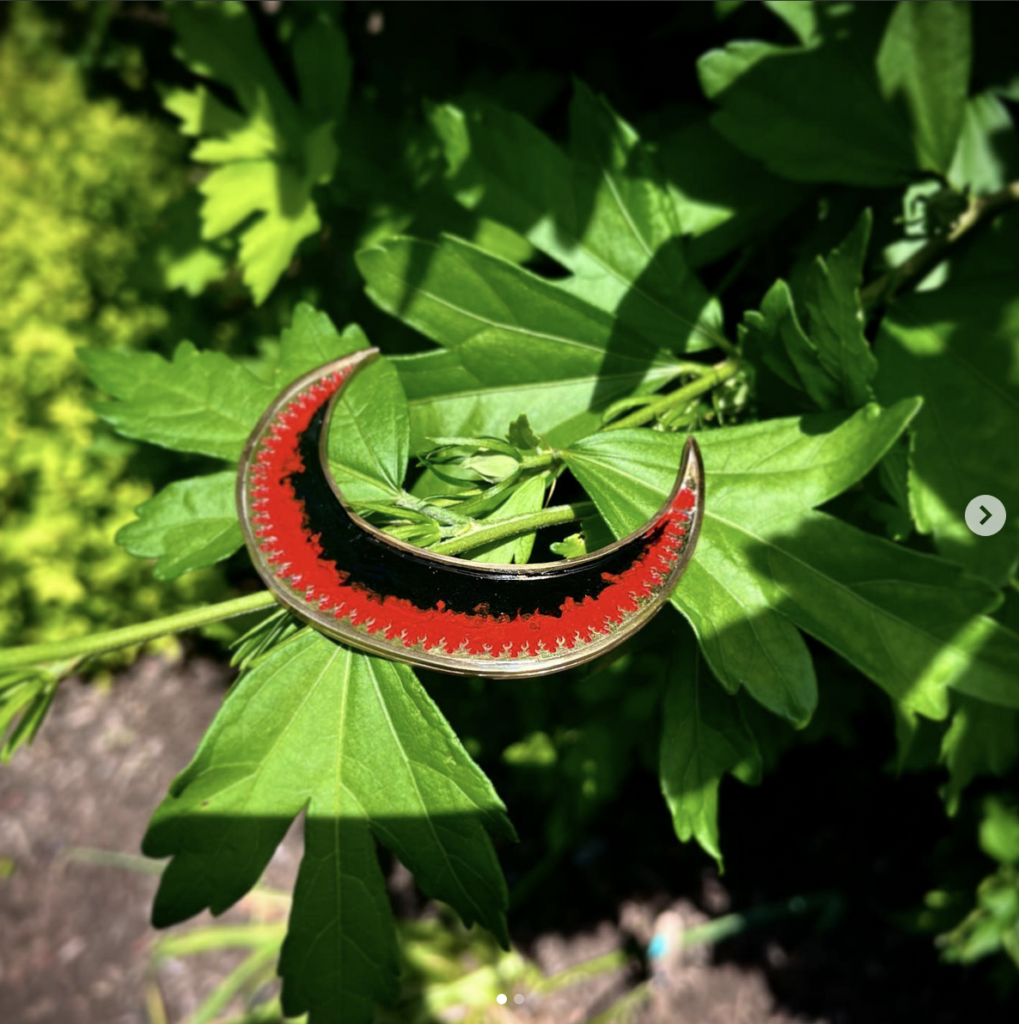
x: 518, y: 999
x: 500, y: 998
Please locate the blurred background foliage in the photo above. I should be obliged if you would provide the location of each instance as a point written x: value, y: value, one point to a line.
x: 84, y: 186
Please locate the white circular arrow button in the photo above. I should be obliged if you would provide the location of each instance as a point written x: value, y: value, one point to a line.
x: 985, y: 515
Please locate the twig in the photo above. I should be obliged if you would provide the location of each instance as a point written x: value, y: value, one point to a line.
x: 718, y: 373
x: 980, y: 210
x: 515, y: 527
x: 115, y: 639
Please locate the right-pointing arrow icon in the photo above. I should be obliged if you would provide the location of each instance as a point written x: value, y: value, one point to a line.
x: 986, y: 515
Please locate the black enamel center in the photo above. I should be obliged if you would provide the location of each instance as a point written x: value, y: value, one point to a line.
x: 392, y: 572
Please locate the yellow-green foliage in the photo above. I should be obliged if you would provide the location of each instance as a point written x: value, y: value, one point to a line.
x: 82, y: 182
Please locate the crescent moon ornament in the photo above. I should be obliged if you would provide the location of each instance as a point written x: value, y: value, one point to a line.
x: 358, y: 585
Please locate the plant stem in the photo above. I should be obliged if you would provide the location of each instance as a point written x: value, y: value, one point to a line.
x: 690, y: 368
x: 981, y: 209
x: 582, y: 971
x: 515, y: 526
x: 720, y: 340
x: 718, y: 373
x: 113, y: 859
x: 103, y: 643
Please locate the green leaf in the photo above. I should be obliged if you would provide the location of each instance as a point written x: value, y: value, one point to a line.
x: 267, y: 634
x: 454, y: 393
x: 25, y: 695
x: 907, y: 730
x: 724, y: 8
x: 982, y: 740
x: 524, y: 499
x: 188, y: 525
x: 370, y: 430
x: 775, y: 337
x: 369, y: 437
x: 281, y: 195
x: 176, y: 256
x: 831, y: 301
x: 492, y: 468
x: 219, y: 41
x: 205, y: 402
x: 521, y: 436
x: 999, y: 831
x: 754, y: 473
x: 746, y: 641
x: 989, y: 259
x: 272, y: 152
x: 704, y: 736
x: 959, y: 348
x: 312, y: 341
x: 603, y: 212
x: 537, y: 750
x: 518, y: 344
x: 987, y: 156
x: 923, y: 65
x: 910, y: 622
x: 469, y: 460
x: 200, y: 402
x: 810, y: 114
x: 636, y: 264
x: 994, y: 675
x: 822, y: 352
x: 800, y: 16
x: 357, y: 743
x: 324, y: 69
x: 724, y: 199
x: 573, y: 546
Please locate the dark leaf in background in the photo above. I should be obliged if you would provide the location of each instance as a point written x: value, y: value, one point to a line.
x: 822, y: 350
x: 959, y: 348
x: 822, y: 113
x: 704, y: 736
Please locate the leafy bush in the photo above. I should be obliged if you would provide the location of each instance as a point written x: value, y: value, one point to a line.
x: 83, y: 186
x: 811, y: 267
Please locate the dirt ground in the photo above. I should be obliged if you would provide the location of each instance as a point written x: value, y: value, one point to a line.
x: 75, y: 937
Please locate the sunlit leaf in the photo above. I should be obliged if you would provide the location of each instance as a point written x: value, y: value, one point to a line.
x: 200, y: 402
x: 987, y: 155
x: 270, y: 152
x: 982, y: 740
x: 603, y: 212
x: 358, y: 745
x: 188, y: 525
x: 528, y: 497
x: 762, y: 479
x: 809, y: 114
x: 515, y: 344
